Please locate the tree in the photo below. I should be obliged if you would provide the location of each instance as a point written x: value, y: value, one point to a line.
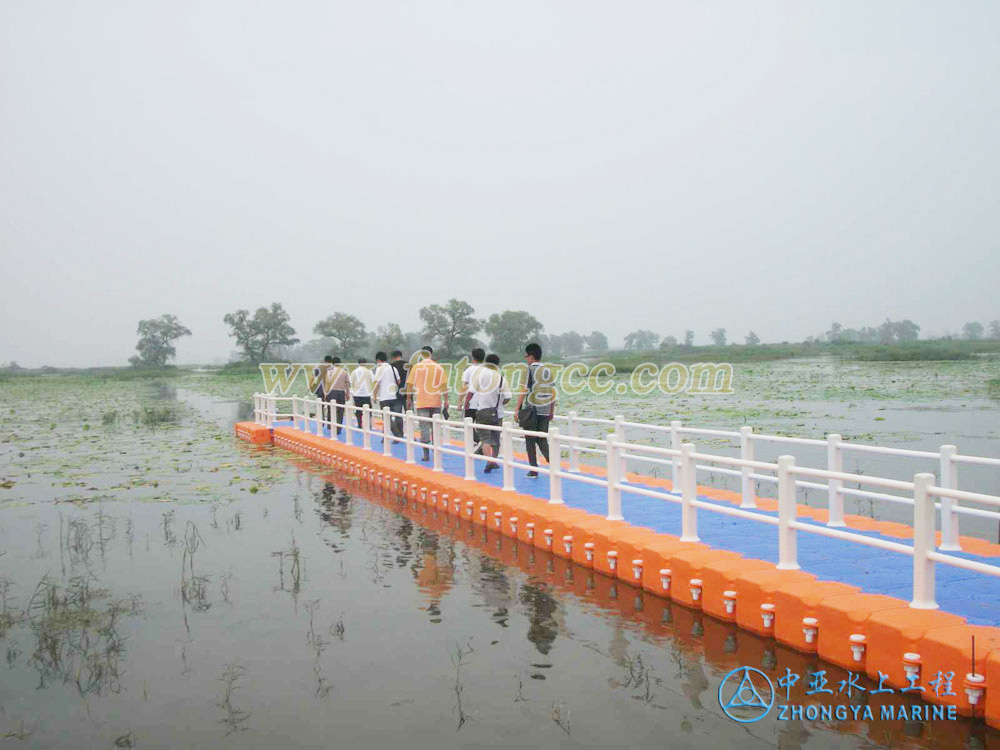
x: 451, y: 325
x: 258, y: 334
x: 906, y: 330
x: 718, y: 336
x: 347, y: 332
x: 994, y: 329
x: 596, y: 342
x: 572, y: 343
x: 972, y: 330
x: 156, y: 341
x: 641, y: 340
x: 510, y: 330
x: 389, y: 337
x: 689, y: 338
x: 668, y: 342
x: 835, y: 334
x: 886, y: 332
x: 752, y: 339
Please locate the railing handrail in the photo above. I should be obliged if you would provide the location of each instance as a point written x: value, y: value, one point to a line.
x: 755, y: 436
x: 683, y: 458
x: 745, y: 467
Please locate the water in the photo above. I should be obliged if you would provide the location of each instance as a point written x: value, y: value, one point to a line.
x: 169, y: 586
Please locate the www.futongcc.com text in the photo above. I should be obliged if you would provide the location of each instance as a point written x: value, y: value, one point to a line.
x: 281, y: 378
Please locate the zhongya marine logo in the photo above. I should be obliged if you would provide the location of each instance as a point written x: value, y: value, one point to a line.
x: 746, y: 695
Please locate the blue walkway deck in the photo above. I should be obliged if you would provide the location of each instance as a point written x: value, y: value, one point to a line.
x: 971, y: 595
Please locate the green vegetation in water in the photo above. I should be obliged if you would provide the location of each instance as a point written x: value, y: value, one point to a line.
x: 77, y: 631
x: 932, y: 351
x: 944, y: 350
x: 151, y: 416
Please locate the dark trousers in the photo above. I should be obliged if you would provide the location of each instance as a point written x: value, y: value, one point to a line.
x: 340, y: 398
x: 541, y: 425
x: 396, y: 407
x: 360, y: 402
x: 471, y: 414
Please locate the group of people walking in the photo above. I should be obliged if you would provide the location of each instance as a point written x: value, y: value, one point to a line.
x: 423, y: 388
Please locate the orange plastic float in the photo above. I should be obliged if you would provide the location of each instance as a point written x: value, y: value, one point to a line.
x: 719, y: 575
x: 860, y: 632
x: 895, y: 636
x: 796, y: 604
x: 756, y: 610
x: 947, y: 653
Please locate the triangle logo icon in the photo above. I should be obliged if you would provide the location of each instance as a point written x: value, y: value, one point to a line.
x: 746, y: 695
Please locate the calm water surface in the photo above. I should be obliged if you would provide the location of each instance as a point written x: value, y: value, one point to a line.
x: 167, y: 586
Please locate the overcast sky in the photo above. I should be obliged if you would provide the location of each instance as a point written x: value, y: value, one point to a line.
x: 603, y: 165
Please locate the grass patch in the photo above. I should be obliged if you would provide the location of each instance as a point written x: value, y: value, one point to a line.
x: 915, y: 352
x: 154, y: 416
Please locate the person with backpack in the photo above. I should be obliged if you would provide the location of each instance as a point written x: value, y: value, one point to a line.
x: 466, y: 394
x: 320, y: 375
x: 489, y: 393
x: 537, y: 404
x: 387, y: 390
x: 399, y: 366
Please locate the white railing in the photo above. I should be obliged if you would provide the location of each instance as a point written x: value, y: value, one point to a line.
x: 684, y: 461
x: 947, y: 459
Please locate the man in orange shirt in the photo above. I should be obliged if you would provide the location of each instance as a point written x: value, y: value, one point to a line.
x: 426, y: 392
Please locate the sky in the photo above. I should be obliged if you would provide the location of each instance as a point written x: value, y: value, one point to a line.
x: 772, y: 166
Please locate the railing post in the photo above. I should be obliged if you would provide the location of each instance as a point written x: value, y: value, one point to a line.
x: 272, y: 410
x: 614, y: 477
x: 689, y: 493
x: 923, y: 543
x: 349, y: 419
x: 949, y: 518
x: 574, y: 453
x: 386, y: 433
x: 748, y: 487
x: 507, y: 447
x: 408, y: 435
x: 835, y: 487
x: 675, y: 444
x: 366, y: 427
x: 436, y: 440
x: 295, y: 412
x: 319, y: 417
x: 555, y: 467
x: 788, y: 553
x: 620, y: 437
x: 468, y: 446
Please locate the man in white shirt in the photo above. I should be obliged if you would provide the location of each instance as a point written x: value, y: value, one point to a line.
x: 361, y: 387
x: 387, y: 390
x: 465, y: 397
x: 490, y: 391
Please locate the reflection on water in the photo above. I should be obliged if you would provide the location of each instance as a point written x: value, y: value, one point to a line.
x: 315, y: 609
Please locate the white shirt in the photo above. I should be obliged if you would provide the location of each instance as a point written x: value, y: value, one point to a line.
x: 467, y: 374
x: 385, y: 382
x: 361, y: 381
x: 488, y: 386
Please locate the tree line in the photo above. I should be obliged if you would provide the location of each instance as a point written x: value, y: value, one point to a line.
x: 453, y: 329
x: 899, y: 332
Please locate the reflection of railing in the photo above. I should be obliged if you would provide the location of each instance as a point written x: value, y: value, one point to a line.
x: 684, y: 461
